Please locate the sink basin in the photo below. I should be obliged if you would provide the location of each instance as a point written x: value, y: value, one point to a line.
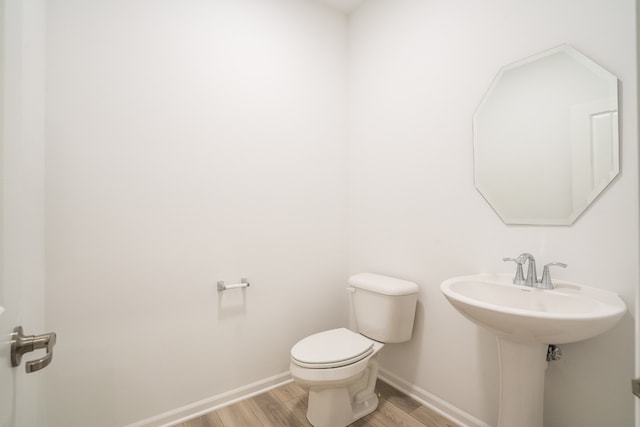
x: 569, y: 313
x: 525, y: 321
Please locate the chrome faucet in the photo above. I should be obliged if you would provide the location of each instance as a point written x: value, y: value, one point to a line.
x: 532, y: 276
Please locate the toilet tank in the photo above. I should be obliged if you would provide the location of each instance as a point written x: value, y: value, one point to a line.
x: 383, y: 307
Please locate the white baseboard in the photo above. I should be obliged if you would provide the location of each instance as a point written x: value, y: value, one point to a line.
x: 431, y: 401
x: 196, y: 409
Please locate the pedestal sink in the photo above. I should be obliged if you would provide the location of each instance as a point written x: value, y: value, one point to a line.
x: 525, y: 321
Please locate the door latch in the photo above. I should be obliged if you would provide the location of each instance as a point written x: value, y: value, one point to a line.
x: 21, y: 344
x: 635, y: 386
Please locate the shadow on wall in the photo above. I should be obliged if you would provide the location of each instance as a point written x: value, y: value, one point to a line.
x: 586, y: 366
x: 413, y: 359
x: 487, y: 354
x: 232, y: 303
x: 410, y: 351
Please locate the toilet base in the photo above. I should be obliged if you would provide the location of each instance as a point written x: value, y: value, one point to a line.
x: 341, y: 406
x: 341, y: 412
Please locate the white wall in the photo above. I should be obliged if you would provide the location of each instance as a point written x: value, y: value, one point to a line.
x: 189, y: 142
x: 194, y: 141
x: 418, y: 71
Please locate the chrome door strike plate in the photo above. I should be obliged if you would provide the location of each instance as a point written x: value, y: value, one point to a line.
x: 635, y: 386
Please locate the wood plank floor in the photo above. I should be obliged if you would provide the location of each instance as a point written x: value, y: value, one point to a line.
x: 287, y: 406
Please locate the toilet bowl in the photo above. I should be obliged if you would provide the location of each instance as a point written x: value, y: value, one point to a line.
x: 339, y: 367
x: 340, y: 374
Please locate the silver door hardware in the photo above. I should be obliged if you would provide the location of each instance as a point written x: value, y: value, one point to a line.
x: 635, y: 386
x: 21, y: 344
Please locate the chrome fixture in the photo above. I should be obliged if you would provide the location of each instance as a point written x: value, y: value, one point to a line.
x: 545, y: 282
x: 21, y: 344
x: 518, y: 279
x: 244, y: 283
x: 532, y: 276
x: 553, y: 352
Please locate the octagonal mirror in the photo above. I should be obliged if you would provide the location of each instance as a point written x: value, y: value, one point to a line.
x: 546, y: 137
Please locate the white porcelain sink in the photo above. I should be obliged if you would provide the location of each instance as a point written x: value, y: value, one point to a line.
x: 569, y: 313
x: 525, y: 320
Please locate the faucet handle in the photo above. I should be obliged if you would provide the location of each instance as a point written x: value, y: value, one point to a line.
x: 518, y: 279
x: 545, y: 282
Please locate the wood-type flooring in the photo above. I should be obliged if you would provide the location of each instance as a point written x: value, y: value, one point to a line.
x: 286, y: 406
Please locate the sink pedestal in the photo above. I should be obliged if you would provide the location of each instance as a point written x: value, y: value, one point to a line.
x: 522, y: 370
x: 526, y: 320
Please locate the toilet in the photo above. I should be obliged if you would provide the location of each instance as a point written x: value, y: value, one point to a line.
x: 339, y: 367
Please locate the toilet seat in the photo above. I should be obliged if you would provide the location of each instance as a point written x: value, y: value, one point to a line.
x: 331, y: 349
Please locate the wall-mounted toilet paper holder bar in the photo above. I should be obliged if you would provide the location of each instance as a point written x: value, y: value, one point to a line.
x: 244, y: 283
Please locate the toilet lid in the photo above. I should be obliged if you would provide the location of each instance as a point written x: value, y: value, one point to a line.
x: 331, y: 349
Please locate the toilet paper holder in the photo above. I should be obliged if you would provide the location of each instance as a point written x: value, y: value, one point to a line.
x: 244, y: 283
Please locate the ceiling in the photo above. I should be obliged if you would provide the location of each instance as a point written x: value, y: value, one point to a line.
x: 344, y: 5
